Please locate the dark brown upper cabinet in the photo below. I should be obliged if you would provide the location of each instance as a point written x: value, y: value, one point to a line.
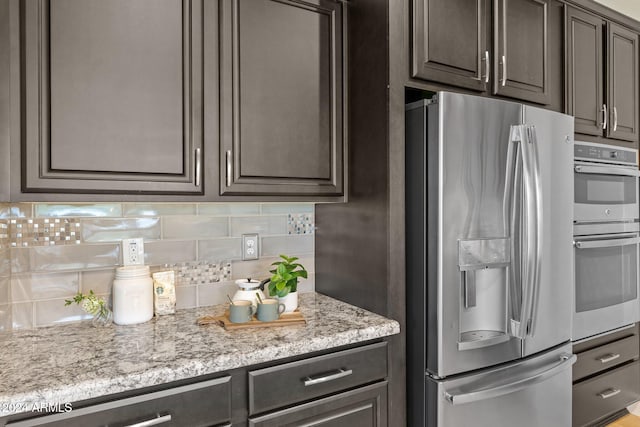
x: 602, y: 78
x: 111, y: 96
x: 450, y: 42
x: 282, y: 97
x: 456, y: 42
x: 521, y: 49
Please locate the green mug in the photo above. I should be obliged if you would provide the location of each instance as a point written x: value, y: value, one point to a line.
x: 269, y: 310
x: 241, y: 311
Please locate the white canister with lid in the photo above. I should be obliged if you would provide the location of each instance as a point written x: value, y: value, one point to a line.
x: 132, y: 295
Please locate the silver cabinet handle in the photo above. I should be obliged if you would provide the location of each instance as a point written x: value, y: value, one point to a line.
x: 198, y: 168
x: 604, y: 116
x: 615, y: 119
x: 323, y: 379
x: 152, y: 422
x: 503, y: 80
x: 608, y: 243
x: 609, y: 358
x: 609, y: 393
x: 487, y: 66
x: 229, y: 165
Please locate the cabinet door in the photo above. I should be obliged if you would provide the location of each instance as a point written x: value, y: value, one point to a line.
x: 363, y: 407
x: 282, y: 96
x: 450, y: 42
x: 521, y: 50
x: 112, y: 96
x: 584, y: 71
x: 622, y: 90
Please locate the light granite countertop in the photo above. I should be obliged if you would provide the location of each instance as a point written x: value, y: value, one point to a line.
x: 73, y: 362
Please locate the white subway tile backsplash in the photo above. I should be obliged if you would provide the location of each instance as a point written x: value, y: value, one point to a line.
x: 284, y: 208
x: 194, y: 227
x: 5, y: 285
x: 110, y: 230
x: 98, y: 281
x: 169, y: 251
x: 78, y: 209
x: 228, y: 209
x: 263, y: 225
x: 76, y: 247
x: 22, y: 315
x: 54, y: 311
x: 37, y: 286
x: 78, y: 257
x: 158, y: 209
x: 5, y: 318
x: 215, y: 293
x: 186, y: 297
x: 287, y: 245
x: 229, y: 248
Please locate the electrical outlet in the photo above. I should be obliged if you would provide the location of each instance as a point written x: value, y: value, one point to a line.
x: 250, y: 246
x: 132, y: 251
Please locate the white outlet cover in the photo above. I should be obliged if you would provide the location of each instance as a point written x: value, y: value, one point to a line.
x: 250, y: 246
x: 133, y: 251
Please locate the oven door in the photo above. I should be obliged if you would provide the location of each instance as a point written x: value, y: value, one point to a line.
x: 605, y: 193
x: 606, y: 283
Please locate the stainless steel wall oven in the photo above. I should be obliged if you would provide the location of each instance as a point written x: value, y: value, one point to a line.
x: 606, y: 239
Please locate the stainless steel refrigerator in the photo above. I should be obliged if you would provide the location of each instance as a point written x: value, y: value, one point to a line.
x: 489, y: 202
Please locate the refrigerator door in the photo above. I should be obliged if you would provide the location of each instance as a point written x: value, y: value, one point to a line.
x: 530, y: 393
x: 549, y: 320
x: 468, y: 266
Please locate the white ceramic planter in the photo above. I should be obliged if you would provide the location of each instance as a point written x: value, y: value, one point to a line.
x: 290, y: 302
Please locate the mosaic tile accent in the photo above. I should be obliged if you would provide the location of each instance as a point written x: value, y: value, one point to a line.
x: 201, y: 272
x: 4, y: 234
x: 44, y: 231
x: 300, y: 223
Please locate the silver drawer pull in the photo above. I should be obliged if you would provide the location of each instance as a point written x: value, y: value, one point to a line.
x: 609, y: 393
x: 323, y: 379
x: 152, y: 422
x: 609, y: 358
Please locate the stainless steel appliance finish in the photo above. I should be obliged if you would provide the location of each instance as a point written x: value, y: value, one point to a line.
x: 489, y: 259
x: 607, y: 263
x: 606, y: 183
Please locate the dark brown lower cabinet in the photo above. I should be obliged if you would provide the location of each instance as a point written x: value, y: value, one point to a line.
x: 338, y: 388
x: 363, y: 407
x: 606, y: 376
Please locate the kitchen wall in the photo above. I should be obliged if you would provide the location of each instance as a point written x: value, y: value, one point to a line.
x: 48, y: 252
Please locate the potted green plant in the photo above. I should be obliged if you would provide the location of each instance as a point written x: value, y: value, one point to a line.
x: 284, y: 281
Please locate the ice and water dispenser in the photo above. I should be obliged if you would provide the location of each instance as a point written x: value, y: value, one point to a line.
x: 484, y: 292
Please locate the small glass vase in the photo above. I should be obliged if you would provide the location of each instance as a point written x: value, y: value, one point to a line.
x: 102, y: 318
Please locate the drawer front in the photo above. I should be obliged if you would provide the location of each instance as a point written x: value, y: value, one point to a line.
x: 605, y: 394
x: 207, y: 403
x: 605, y: 357
x: 294, y: 382
x: 363, y: 407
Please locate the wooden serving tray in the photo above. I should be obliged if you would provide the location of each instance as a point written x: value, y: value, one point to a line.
x: 285, y: 319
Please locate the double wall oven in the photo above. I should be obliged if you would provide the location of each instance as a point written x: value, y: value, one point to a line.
x: 606, y: 239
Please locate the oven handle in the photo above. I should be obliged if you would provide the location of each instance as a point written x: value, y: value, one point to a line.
x: 600, y: 170
x: 609, y: 243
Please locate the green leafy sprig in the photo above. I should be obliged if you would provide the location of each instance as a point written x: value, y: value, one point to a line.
x: 285, y: 276
x: 90, y: 303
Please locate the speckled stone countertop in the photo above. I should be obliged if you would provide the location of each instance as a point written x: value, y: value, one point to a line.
x: 74, y: 362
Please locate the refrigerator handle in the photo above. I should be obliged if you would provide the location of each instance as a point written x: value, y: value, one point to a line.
x: 566, y: 360
x: 530, y: 242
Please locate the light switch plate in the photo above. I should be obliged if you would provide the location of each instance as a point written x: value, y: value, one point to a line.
x: 133, y: 251
x: 250, y: 246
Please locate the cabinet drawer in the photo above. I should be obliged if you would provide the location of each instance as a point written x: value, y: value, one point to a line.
x: 207, y: 403
x: 363, y: 407
x: 605, y: 394
x: 605, y: 357
x: 294, y: 382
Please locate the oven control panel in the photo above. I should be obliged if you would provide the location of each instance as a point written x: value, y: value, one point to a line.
x: 604, y: 153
